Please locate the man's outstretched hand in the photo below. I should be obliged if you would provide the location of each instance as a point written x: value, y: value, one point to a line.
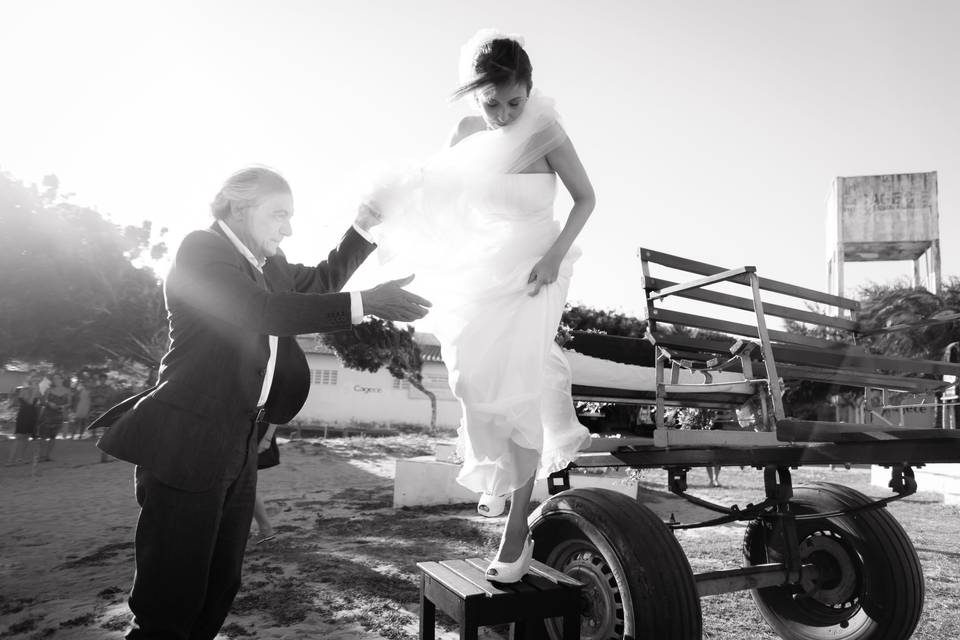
x: 391, y: 301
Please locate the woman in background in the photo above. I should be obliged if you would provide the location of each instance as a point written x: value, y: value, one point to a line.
x: 56, y: 407
x: 27, y: 401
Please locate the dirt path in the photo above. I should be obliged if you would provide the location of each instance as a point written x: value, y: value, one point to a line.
x: 343, y: 566
x: 66, y: 551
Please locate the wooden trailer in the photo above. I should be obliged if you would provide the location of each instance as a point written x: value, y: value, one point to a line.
x: 822, y: 561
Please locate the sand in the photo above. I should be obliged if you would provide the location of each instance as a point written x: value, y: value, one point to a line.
x: 66, y: 541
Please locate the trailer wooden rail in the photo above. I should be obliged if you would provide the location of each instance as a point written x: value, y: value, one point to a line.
x: 822, y: 561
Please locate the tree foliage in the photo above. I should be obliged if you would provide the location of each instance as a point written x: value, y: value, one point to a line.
x: 582, y: 318
x: 896, y: 319
x: 899, y: 320
x: 70, y: 291
x: 902, y: 305
x: 375, y: 344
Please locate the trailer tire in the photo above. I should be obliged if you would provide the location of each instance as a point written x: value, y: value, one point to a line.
x: 872, y: 586
x: 638, y: 583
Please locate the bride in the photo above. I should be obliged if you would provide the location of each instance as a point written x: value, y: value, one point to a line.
x: 476, y: 223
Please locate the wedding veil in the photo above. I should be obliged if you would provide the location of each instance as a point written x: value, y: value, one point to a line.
x: 428, y: 220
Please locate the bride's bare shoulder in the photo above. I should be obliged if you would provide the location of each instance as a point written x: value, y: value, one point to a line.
x: 468, y: 126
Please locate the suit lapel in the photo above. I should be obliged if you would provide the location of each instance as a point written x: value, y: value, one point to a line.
x: 291, y: 376
x: 251, y: 271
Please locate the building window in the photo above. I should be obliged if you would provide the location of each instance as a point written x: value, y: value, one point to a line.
x: 400, y: 384
x: 324, y: 376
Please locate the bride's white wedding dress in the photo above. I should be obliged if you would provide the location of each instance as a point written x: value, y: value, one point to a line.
x: 472, y: 230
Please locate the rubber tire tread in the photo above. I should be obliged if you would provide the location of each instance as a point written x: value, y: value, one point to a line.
x: 662, y: 587
x: 887, y: 550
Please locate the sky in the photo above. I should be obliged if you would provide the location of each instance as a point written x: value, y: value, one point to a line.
x: 711, y: 129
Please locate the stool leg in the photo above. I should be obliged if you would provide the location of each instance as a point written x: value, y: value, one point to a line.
x: 428, y: 612
x: 469, y: 627
x: 523, y: 629
x: 571, y: 626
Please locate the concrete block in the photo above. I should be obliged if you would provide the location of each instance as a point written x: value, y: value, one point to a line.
x: 425, y: 481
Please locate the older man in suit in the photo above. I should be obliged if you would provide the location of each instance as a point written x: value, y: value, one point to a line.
x: 235, y: 306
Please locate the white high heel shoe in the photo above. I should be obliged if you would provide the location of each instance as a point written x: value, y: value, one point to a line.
x: 508, y: 572
x: 491, y: 506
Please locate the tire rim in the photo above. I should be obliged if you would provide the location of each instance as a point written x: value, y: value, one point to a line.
x: 833, y: 598
x: 603, y: 615
x: 838, y: 585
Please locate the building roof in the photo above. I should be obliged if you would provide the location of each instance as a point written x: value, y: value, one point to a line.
x: 428, y: 343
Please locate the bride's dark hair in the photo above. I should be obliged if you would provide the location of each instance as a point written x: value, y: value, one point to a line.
x: 499, y: 62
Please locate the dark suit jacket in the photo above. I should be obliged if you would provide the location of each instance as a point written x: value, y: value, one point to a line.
x: 185, y: 428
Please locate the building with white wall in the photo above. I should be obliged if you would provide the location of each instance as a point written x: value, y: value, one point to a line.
x: 340, y: 396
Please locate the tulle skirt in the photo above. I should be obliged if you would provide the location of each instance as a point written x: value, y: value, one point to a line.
x: 504, y: 365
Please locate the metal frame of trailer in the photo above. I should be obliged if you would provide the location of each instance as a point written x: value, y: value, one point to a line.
x: 822, y: 561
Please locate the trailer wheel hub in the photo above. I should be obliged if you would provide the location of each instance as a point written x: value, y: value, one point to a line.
x: 836, y: 585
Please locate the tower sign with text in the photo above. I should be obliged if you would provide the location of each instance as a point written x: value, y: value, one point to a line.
x: 888, y: 217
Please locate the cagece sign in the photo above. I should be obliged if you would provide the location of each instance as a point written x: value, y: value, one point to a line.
x: 361, y: 389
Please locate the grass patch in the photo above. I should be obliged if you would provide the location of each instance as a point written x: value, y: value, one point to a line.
x: 100, y: 556
x: 24, y: 626
x: 9, y: 606
x: 110, y: 592
x: 85, y: 620
x: 116, y: 623
x: 234, y: 630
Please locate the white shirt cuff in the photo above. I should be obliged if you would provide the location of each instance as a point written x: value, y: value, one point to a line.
x: 363, y: 233
x: 356, y: 307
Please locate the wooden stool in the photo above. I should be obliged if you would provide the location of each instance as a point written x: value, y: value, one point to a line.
x: 461, y: 590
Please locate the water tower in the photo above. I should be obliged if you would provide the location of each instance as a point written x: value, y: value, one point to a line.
x: 890, y: 217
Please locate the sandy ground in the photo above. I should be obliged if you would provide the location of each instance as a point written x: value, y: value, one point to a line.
x: 66, y: 550
x: 343, y: 566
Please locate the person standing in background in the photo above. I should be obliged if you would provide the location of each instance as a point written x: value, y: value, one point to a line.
x: 81, y: 408
x: 56, y: 411
x: 26, y: 398
x: 101, y: 397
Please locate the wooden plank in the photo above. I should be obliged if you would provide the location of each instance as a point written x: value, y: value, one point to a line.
x: 846, y: 359
x: 453, y: 580
x: 466, y: 573
x: 623, y: 349
x: 595, y: 460
x: 534, y: 578
x: 745, y: 304
x: 557, y: 577
x: 819, y: 431
x: 723, y: 276
x: 719, y: 400
x: 541, y: 577
x: 740, y: 329
x: 701, y: 345
x: 856, y: 359
x: 702, y: 268
x: 857, y: 378
x: 838, y: 355
x: 606, y: 443
x: 481, y: 564
x: 713, y: 438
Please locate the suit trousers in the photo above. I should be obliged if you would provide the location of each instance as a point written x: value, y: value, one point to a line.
x: 189, y: 554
